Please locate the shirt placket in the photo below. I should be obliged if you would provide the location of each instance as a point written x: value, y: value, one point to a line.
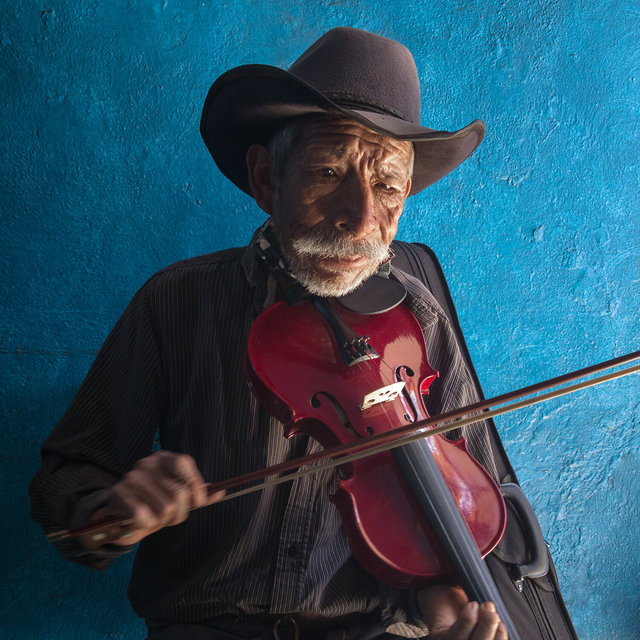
x: 295, y: 545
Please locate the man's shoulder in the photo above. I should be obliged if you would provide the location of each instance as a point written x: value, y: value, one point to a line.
x: 182, y: 271
x: 204, y: 262
x: 187, y: 280
x: 418, y: 291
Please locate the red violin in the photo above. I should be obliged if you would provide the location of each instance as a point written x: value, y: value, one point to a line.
x: 341, y: 377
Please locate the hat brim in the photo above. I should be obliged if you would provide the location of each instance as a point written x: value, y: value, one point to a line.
x: 248, y: 104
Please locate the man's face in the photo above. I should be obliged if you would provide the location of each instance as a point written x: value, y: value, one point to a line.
x: 338, y: 202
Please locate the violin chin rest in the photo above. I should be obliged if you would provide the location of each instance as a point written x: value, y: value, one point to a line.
x: 375, y: 295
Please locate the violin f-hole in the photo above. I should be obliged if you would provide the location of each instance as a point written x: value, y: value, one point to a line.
x: 337, y: 407
x: 408, y: 398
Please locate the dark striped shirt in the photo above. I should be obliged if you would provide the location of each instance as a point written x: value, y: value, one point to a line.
x: 173, y: 366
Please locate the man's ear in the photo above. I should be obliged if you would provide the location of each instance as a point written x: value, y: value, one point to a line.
x: 408, y: 189
x: 259, y: 168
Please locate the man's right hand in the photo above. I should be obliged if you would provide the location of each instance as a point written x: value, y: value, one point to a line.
x: 158, y: 492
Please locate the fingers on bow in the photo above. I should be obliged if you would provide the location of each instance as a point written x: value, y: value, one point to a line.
x: 160, y: 490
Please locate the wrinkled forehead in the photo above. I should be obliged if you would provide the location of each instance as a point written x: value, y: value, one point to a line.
x: 340, y: 137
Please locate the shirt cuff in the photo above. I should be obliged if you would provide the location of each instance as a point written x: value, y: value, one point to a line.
x: 101, y: 557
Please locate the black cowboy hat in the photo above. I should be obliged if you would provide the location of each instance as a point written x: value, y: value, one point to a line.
x: 349, y: 72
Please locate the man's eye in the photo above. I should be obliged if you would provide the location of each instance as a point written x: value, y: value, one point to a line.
x: 327, y: 172
x: 387, y: 188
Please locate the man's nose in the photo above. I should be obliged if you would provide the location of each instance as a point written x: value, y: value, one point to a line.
x: 356, y: 207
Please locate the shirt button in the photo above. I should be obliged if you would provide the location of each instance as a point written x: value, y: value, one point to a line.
x: 292, y: 551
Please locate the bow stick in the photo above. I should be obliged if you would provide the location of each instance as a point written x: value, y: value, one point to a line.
x: 109, y: 529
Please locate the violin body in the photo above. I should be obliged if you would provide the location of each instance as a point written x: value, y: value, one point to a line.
x: 296, y: 368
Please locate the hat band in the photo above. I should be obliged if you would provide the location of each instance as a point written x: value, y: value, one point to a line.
x: 355, y: 103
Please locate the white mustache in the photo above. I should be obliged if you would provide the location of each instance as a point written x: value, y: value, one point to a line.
x: 320, y: 244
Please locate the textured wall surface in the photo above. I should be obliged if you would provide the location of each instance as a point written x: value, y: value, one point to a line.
x: 105, y: 180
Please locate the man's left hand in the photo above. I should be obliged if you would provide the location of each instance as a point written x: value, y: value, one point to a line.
x: 450, y: 616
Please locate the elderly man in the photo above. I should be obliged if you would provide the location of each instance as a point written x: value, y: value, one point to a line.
x: 330, y: 150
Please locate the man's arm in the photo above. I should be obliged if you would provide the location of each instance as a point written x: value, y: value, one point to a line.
x: 109, y: 426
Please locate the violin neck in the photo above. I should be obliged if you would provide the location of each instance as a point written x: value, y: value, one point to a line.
x: 434, y: 499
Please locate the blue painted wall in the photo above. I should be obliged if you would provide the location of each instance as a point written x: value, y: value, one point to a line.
x: 105, y: 180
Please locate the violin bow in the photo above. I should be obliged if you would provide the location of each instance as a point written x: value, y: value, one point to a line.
x: 105, y: 530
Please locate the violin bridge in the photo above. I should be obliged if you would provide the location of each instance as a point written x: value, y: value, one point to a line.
x: 358, y: 351
x: 383, y: 394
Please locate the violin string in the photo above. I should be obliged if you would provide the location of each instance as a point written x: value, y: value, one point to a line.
x: 386, y: 376
x: 391, y: 378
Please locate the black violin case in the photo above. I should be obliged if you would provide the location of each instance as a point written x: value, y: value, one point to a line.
x: 521, y: 564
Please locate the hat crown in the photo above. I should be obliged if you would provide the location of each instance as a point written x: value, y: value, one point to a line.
x: 358, y: 69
